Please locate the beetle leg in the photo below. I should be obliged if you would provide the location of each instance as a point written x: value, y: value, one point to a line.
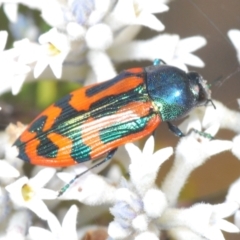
x: 107, y: 158
x: 175, y: 130
x: 202, y: 134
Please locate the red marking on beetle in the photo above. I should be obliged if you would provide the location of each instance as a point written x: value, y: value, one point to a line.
x: 135, y: 70
x: 79, y: 96
x: 52, y: 113
x: 130, y: 112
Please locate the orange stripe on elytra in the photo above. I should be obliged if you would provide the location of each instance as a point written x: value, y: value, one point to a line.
x: 64, y: 146
x: 81, y: 102
x: 105, y: 148
x: 62, y: 159
x: 26, y: 136
x: 132, y: 111
x: 92, y: 126
x: 135, y: 70
x: 52, y: 113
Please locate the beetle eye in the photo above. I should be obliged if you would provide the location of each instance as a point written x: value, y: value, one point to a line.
x: 195, y: 90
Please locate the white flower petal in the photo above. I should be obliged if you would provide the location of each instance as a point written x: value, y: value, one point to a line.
x: 125, y: 195
x: 163, y: 45
x: 233, y: 192
x: 37, y: 233
x: 153, y: 6
x: 117, y: 232
x: 146, y: 235
x: 126, y: 35
x: 17, y: 83
x: 140, y: 223
x: 212, y: 130
x: 191, y: 44
x: 234, y: 35
x: 214, y: 234
x: 56, y: 66
x: 17, y: 224
x: 191, y: 60
x: 179, y: 64
x: 101, y: 64
x: 189, y: 148
x: 17, y: 185
x: 103, y: 33
x: 227, y: 226
x: 39, y: 208
x: 155, y: 203
x: 217, y: 146
x: 192, y: 122
x: 7, y: 171
x: 44, y: 193
x: 54, y: 225
x: 133, y: 151
x: 124, y: 12
x: 150, y: 21
x: 69, y: 223
x: 181, y: 233
x: 40, y: 67
x: 149, y: 146
x: 143, y: 172
x: 86, y: 192
x: 235, y: 149
x: 42, y: 177
x: 162, y: 155
x: 65, y: 176
x: 11, y: 11
x: 237, y: 219
x: 226, y: 209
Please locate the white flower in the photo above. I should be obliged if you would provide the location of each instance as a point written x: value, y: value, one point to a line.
x: 8, y: 171
x: 143, y: 172
x: 168, y: 47
x: 29, y: 193
x: 137, y: 12
x: 233, y: 196
x: 10, y: 153
x: 221, y: 115
x: 203, y: 219
x: 84, y: 189
x: 12, y: 72
x: 234, y: 36
x: 58, y: 232
x: 18, y: 225
x: 5, y: 205
x: 235, y: 149
x: 139, y: 202
x: 183, y: 53
x: 11, y: 10
x: 192, y: 151
x: 55, y: 47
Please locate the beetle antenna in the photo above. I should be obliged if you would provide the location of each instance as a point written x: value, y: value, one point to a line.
x: 219, y: 81
x: 210, y: 101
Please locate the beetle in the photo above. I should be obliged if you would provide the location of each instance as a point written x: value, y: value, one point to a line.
x: 90, y: 123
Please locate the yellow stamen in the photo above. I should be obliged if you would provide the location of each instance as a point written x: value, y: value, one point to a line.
x: 52, y: 50
x: 27, y: 192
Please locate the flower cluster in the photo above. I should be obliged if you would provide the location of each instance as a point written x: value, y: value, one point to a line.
x: 85, y: 42
x: 86, y: 39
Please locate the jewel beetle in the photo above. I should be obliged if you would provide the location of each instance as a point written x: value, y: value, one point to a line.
x: 90, y: 123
